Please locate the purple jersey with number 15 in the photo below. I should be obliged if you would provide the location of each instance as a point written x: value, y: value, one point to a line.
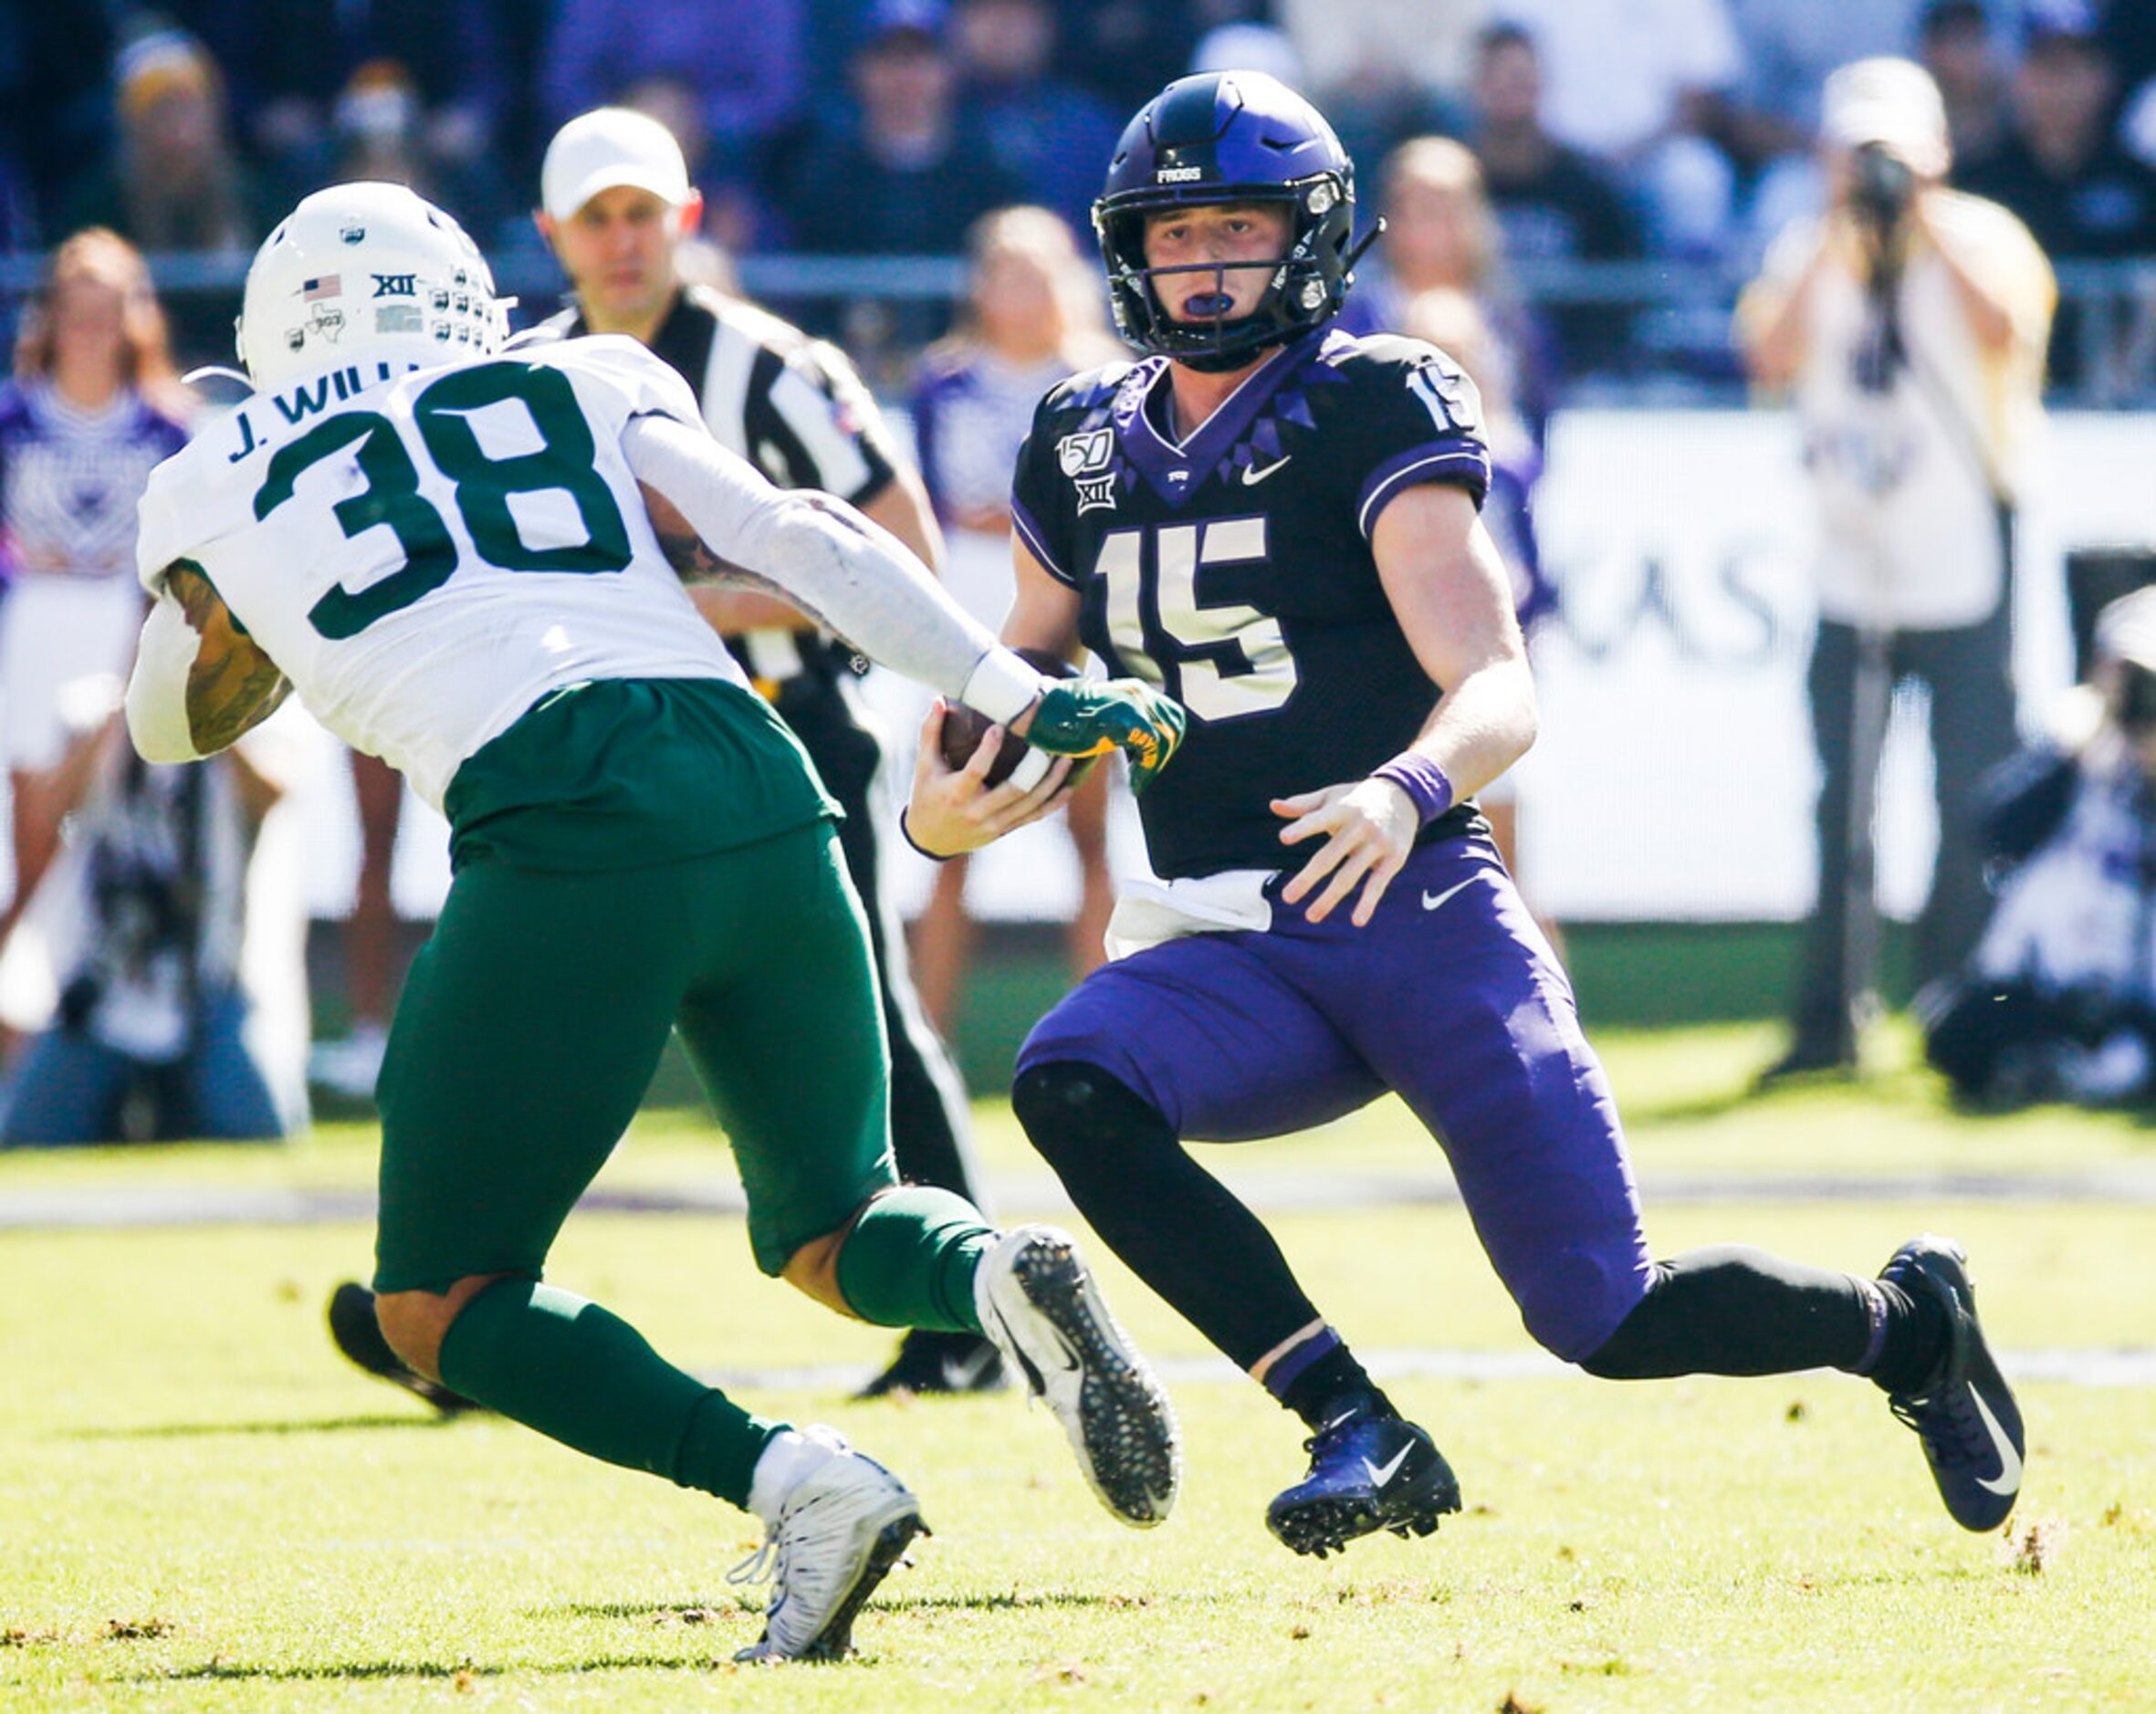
x: 1234, y: 569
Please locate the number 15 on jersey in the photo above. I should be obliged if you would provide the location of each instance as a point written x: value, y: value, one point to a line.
x: 1231, y: 659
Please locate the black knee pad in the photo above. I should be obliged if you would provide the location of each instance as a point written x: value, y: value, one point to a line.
x: 1080, y: 1118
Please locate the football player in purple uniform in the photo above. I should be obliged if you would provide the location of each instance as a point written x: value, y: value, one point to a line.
x: 1279, y: 523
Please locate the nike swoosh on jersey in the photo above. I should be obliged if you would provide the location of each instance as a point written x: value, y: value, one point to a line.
x: 1432, y: 903
x: 1380, y: 1475
x: 2008, y: 1479
x: 1253, y: 474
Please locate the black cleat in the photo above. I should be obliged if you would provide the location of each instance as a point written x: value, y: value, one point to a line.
x: 1964, y: 1413
x: 1369, y: 1471
x: 940, y: 1363
x: 356, y: 1332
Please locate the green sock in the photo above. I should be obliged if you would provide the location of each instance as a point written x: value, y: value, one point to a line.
x: 581, y: 1376
x: 910, y: 1259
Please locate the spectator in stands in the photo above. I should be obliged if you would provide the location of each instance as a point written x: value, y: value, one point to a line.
x: 1034, y: 314
x: 1049, y: 131
x: 175, y: 183
x: 2060, y: 1001
x: 1441, y: 232
x: 303, y: 57
x: 1772, y: 120
x: 2062, y: 168
x: 1910, y: 322
x: 92, y: 409
x: 150, y: 1039
x: 1646, y: 85
x: 1957, y: 47
x: 1554, y: 203
x: 744, y: 59
x: 378, y: 129
x: 916, y: 169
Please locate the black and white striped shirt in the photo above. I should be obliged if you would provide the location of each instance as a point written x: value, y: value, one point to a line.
x: 793, y: 406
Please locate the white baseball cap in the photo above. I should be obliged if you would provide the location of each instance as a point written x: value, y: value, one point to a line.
x: 609, y: 146
x: 1887, y: 100
x: 2126, y: 630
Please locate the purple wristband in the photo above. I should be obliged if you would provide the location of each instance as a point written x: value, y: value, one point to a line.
x: 1422, y: 779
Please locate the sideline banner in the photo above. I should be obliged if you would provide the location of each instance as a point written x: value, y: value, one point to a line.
x: 1674, y: 777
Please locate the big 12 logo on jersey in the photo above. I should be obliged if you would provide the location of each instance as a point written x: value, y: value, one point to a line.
x: 1086, y: 459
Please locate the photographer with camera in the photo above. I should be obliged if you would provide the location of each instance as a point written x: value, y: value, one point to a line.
x: 1908, y: 321
x: 2060, y: 1001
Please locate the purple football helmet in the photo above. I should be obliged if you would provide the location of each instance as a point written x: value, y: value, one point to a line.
x: 1229, y: 137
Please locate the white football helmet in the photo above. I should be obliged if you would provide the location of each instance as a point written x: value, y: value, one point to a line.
x: 366, y: 272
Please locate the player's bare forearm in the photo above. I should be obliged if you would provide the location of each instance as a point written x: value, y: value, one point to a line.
x: 686, y: 552
x: 233, y: 685
x: 1449, y: 589
x: 1482, y: 724
x: 1043, y: 613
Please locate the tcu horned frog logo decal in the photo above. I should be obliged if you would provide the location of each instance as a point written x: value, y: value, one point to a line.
x: 1080, y: 457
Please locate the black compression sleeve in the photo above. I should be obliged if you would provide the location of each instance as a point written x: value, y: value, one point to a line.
x: 1732, y: 1310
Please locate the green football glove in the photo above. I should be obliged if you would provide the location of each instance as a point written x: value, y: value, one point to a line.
x: 1091, y: 716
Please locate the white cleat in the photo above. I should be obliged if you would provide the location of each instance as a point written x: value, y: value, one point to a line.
x: 841, y: 1524
x: 1039, y: 1305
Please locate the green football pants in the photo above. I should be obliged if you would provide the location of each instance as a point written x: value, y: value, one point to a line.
x: 533, y: 1019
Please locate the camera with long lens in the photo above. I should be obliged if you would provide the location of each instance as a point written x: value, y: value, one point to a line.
x: 1885, y: 186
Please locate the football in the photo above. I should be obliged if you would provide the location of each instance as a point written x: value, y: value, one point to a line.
x: 964, y: 727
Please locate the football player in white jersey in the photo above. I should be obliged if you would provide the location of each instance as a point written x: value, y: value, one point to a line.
x: 455, y: 556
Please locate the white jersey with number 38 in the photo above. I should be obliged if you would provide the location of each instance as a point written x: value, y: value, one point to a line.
x: 427, y: 555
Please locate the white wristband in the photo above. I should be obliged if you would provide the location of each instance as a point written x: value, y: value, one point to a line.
x: 1001, y: 685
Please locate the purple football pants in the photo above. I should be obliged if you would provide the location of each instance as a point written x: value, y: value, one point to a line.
x: 1450, y: 997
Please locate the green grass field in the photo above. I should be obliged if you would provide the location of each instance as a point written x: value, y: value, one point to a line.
x: 201, y: 1506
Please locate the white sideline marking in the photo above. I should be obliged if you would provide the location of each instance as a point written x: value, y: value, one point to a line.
x: 1271, y: 1190
x: 2133, y: 1367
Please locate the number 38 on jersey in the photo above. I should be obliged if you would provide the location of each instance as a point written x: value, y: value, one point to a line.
x: 498, y: 431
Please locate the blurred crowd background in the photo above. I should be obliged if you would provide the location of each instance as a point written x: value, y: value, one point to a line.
x: 1638, y: 154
